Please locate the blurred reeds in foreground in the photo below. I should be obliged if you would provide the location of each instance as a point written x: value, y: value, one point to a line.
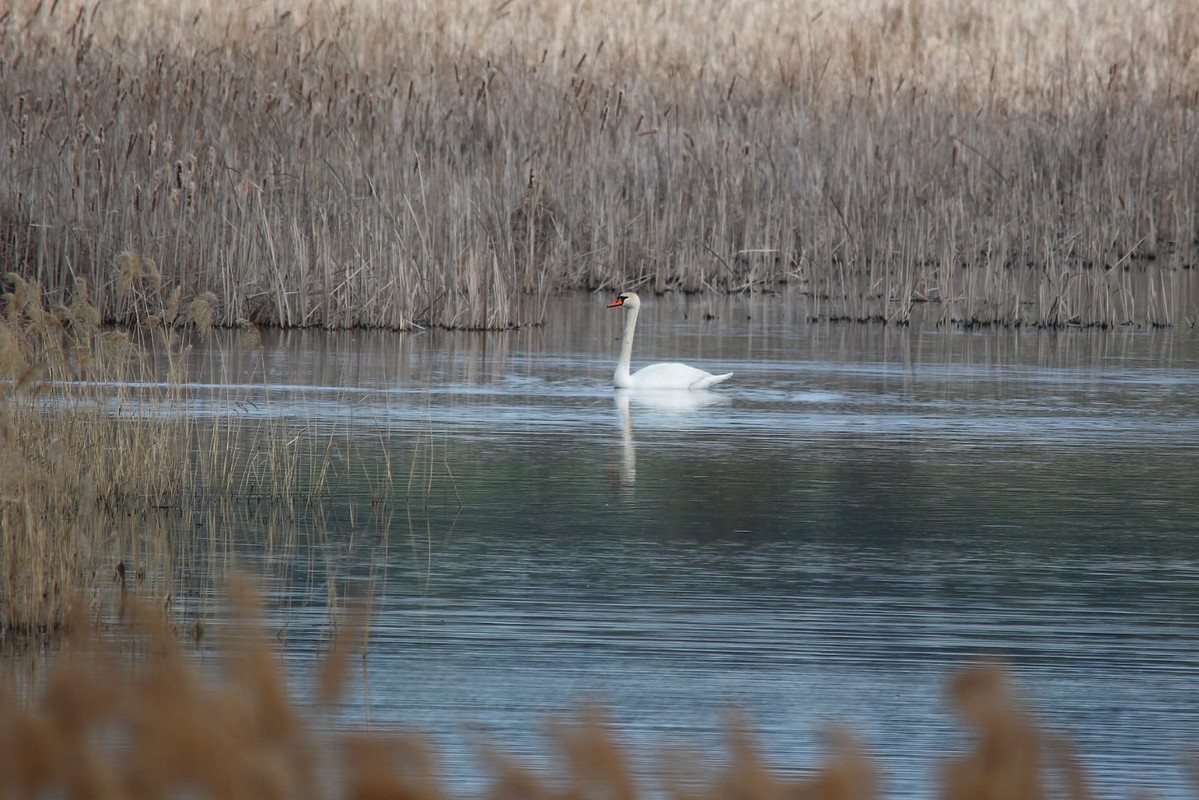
x: 138, y: 715
x: 451, y: 164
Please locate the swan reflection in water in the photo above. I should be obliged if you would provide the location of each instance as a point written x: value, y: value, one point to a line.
x: 670, y: 403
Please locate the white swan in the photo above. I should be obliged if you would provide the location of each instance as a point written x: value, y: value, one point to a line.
x: 655, y: 376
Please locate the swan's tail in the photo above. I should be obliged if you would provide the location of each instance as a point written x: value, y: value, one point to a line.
x: 711, y: 380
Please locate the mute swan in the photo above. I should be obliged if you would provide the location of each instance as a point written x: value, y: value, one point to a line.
x: 655, y: 376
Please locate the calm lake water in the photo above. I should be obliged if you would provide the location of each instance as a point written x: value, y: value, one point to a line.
x: 826, y: 538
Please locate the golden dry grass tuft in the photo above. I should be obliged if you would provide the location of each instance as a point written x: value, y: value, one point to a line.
x: 362, y: 164
x: 155, y: 719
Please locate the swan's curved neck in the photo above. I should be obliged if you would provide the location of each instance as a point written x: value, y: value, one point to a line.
x: 626, y: 349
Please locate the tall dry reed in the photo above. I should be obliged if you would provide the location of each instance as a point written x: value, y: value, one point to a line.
x: 450, y: 165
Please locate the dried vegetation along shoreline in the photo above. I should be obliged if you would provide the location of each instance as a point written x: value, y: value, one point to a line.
x: 363, y: 164
x: 115, y: 479
x: 84, y: 459
x: 128, y: 473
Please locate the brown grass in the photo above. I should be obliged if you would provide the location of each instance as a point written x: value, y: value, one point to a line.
x: 138, y: 715
x: 450, y: 165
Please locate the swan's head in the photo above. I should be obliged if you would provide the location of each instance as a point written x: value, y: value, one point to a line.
x: 628, y: 300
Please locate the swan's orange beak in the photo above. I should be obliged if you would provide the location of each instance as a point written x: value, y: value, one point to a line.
x: 617, y: 302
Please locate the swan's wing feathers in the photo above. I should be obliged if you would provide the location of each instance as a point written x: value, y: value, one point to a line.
x: 673, y: 375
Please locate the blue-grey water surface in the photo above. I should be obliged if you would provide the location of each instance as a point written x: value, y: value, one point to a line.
x: 859, y: 513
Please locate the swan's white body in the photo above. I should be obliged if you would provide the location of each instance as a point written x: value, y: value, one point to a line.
x: 669, y: 375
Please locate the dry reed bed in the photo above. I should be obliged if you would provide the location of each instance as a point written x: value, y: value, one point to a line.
x: 143, y: 716
x: 450, y: 165
x: 111, y: 478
